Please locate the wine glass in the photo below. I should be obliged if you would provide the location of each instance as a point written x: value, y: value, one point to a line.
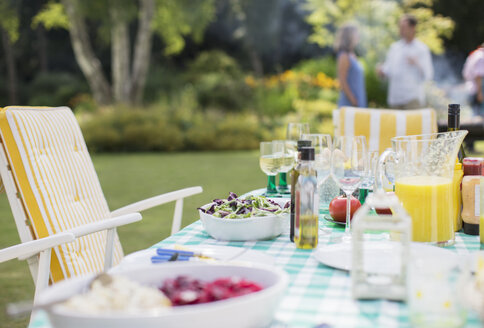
x: 322, y: 154
x: 322, y: 160
x: 270, y: 161
x: 293, y: 134
x: 367, y: 185
x: 349, y: 167
x: 284, y: 149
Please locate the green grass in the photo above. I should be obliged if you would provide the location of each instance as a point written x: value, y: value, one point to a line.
x: 126, y: 178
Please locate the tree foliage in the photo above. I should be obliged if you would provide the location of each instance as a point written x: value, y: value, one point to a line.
x: 9, y: 19
x: 51, y: 16
x: 378, y: 22
x: 172, y: 20
x: 176, y: 19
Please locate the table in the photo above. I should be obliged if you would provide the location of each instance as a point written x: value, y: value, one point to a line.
x: 316, y: 294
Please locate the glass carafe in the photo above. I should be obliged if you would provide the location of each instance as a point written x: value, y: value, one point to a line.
x: 421, y: 168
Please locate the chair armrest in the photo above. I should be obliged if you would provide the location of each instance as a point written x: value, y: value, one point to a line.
x: 157, y: 200
x: 27, y: 249
x: 105, y: 224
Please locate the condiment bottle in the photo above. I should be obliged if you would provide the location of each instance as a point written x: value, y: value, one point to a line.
x: 481, y: 226
x: 306, y: 202
x: 457, y: 196
x: 471, y: 195
x: 294, y: 175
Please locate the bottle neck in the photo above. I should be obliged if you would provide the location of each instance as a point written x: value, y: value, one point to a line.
x: 453, y: 123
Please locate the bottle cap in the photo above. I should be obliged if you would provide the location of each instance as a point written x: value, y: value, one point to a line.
x: 473, y: 166
x: 307, y: 154
x: 454, y: 109
x: 470, y: 228
x: 303, y: 143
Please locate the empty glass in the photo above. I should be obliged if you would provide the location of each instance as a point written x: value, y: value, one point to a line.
x: 348, y: 167
x: 327, y: 188
x: 367, y: 185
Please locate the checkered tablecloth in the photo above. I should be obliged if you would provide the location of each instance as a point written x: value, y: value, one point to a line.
x: 316, y: 294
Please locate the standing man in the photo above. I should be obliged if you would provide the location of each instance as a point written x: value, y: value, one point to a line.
x: 407, y: 66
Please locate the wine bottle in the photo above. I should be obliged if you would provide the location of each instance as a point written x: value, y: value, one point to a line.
x: 453, y: 124
x: 294, y: 176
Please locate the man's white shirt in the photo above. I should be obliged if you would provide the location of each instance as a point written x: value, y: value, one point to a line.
x: 406, y: 81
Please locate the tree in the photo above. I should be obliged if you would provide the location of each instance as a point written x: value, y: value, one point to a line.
x: 9, y: 24
x: 172, y: 20
x: 377, y: 20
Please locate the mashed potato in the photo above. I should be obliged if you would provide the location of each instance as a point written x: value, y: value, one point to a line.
x: 121, y: 295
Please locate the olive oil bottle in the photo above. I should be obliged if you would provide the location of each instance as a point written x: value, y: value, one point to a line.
x: 294, y: 176
x: 306, y: 202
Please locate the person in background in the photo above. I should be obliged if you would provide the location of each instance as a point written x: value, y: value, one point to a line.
x: 408, y: 66
x: 473, y: 73
x: 350, y: 72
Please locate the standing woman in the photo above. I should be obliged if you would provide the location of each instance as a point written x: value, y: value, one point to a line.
x: 350, y: 72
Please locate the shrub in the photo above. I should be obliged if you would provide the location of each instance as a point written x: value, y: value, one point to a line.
x: 376, y: 89
x: 326, y: 65
x: 162, y: 81
x: 218, y: 81
x: 55, y: 89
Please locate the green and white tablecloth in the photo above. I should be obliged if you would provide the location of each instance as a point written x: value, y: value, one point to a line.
x: 316, y: 294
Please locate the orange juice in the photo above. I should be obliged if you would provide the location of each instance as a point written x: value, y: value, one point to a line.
x: 429, y: 201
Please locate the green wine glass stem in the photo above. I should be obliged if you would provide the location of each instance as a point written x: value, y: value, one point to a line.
x: 283, y: 181
x: 271, y: 184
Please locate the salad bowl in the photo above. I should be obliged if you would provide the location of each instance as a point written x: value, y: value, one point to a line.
x: 272, y: 218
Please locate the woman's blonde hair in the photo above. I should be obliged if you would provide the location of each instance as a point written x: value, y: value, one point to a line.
x: 346, y: 38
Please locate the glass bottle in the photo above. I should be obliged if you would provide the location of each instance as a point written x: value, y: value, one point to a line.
x: 453, y: 124
x: 306, y: 202
x: 294, y: 176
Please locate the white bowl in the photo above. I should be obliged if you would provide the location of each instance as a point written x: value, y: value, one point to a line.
x: 251, y: 228
x: 252, y: 310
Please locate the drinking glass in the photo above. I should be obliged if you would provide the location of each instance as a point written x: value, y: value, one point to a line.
x: 367, y: 185
x: 293, y: 134
x: 437, y: 293
x: 284, y: 149
x: 270, y: 161
x: 348, y: 167
x: 322, y: 160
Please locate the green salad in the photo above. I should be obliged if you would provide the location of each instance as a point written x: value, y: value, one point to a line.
x: 239, y: 208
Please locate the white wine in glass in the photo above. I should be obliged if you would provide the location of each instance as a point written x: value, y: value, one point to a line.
x: 294, y: 133
x: 270, y: 161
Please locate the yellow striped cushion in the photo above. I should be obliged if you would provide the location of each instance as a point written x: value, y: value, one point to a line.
x: 380, y: 125
x: 58, y: 184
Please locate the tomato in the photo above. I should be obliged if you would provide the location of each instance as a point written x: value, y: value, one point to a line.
x: 383, y: 211
x: 337, y: 208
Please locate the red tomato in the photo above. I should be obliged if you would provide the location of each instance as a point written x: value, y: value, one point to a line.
x: 337, y: 208
x: 383, y: 211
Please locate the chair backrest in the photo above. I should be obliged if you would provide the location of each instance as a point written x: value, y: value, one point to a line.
x: 380, y: 125
x: 54, y: 178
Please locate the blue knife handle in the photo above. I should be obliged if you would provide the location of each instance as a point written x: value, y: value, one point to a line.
x: 164, y: 251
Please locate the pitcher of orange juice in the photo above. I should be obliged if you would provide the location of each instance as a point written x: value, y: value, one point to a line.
x: 421, y: 168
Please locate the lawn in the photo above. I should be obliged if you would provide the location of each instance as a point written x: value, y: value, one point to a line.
x: 126, y: 178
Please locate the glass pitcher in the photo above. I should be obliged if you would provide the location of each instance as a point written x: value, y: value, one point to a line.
x: 421, y: 168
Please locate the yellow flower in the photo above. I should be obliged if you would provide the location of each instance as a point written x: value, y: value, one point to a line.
x: 250, y: 81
